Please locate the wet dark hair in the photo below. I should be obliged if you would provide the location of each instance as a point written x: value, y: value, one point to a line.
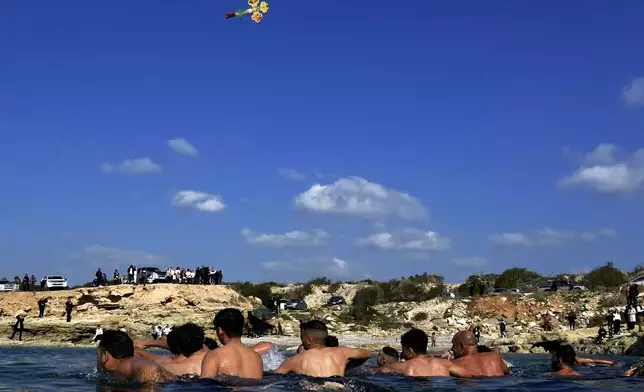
x: 190, y: 338
x: 416, y: 340
x: 566, y: 354
x: 118, y: 344
x: 331, y: 341
x: 391, y: 352
x: 231, y: 321
x: 211, y: 343
x: 315, y: 329
x: 173, y: 342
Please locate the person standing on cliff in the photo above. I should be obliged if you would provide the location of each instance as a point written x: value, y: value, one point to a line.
x: 502, y: 328
x: 69, y: 305
x: 617, y: 321
x: 41, y: 307
x: 43, y: 283
x: 571, y: 320
x: 19, y: 327
x: 25, y: 283
x: 130, y: 274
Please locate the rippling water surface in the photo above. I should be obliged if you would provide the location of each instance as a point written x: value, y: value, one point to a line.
x: 72, y: 369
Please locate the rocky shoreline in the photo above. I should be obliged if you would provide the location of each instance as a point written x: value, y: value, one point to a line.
x: 136, y: 309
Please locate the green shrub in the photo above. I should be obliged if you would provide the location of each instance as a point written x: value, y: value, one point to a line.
x: 607, y: 277
x: 421, y: 316
x: 334, y: 287
x: 247, y: 289
x: 517, y: 278
x: 364, y: 300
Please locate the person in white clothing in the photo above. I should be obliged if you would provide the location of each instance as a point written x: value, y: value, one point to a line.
x: 617, y: 321
x: 631, y: 313
x: 98, y: 335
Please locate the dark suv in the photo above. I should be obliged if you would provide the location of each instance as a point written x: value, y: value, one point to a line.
x: 336, y: 300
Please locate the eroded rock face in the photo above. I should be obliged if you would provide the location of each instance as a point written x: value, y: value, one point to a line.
x: 133, y: 308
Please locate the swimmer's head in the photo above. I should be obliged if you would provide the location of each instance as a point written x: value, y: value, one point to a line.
x: 229, y: 324
x: 463, y: 342
x: 301, y: 349
x: 387, y: 356
x: 564, y: 356
x: 210, y: 343
x: 313, y: 333
x: 414, y: 343
x: 190, y: 339
x: 173, y: 342
x: 113, y: 347
x: 331, y: 341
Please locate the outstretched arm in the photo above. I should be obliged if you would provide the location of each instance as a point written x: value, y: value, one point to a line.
x: 158, y: 343
x: 287, y: 366
x: 585, y: 361
x: 397, y: 367
x: 356, y: 353
x: 459, y: 371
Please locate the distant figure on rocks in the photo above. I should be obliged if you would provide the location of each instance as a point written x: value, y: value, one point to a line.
x: 633, y: 292
x: 32, y: 282
x: 19, y: 327
x: 617, y: 321
x: 99, y: 278
x: 571, y: 320
x: 43, y: 283
x: 25, y: 283
x: 98, y: 335
x: 69, y: 306
x: 631, y: 315
x: 117, y: 277
x: 130, y: 274
x: 41, y: 307
x: 502, y: 327
x: 477, y: 333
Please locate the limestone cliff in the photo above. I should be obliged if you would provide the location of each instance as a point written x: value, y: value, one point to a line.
x: 134, y: 308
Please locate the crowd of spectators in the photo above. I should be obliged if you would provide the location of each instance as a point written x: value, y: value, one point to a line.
x: 201, y: 275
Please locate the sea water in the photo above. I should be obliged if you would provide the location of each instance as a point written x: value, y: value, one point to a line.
x: 73, y: 369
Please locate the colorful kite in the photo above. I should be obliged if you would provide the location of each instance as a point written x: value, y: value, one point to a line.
x: 256, y: 8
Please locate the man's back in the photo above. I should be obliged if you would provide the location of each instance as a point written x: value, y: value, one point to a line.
x: 141, y: 370
x: 186, y: 365
x: 233, y: 360
x: 489, y: 364
x: 320, y: 362
x: 421, y: 366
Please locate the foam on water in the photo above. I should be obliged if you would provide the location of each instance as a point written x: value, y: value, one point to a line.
x: 272, y: 359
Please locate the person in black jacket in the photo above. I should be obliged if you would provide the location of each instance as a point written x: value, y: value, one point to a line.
x: 41, y: 307
x: 99, y: 278
x: 69, y: 305
x: 18, y: 327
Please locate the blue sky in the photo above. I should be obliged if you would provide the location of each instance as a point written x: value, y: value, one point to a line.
x: 347, y: 140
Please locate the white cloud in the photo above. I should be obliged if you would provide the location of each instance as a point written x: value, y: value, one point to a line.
x: 602, y: 171
x: 291, y: 174
x: 292, y: 238
x: 474, y: 261
x: 548, y: 236
x: 359, y: 197
x: 510, y: 239
x: 132, y: 166
x: 633, y: 94
x: 108, y: 257
x: 407, y: 239
x: 182, y: 146
x: 334, y: 267
x: 200, y: 200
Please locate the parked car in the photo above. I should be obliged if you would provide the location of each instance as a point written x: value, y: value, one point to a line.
x: 638, y: 281
x: 336, y: 300
x: 504, y: 292
x: 295, y: 304
x: 544, y: 288
x: 150, y: 275
x: 6, y: 285
x: 55, y: 282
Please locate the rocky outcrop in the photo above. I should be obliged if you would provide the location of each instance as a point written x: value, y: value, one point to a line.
x: 132, y: 308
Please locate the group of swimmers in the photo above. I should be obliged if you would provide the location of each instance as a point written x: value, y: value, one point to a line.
x: 320, y: 355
